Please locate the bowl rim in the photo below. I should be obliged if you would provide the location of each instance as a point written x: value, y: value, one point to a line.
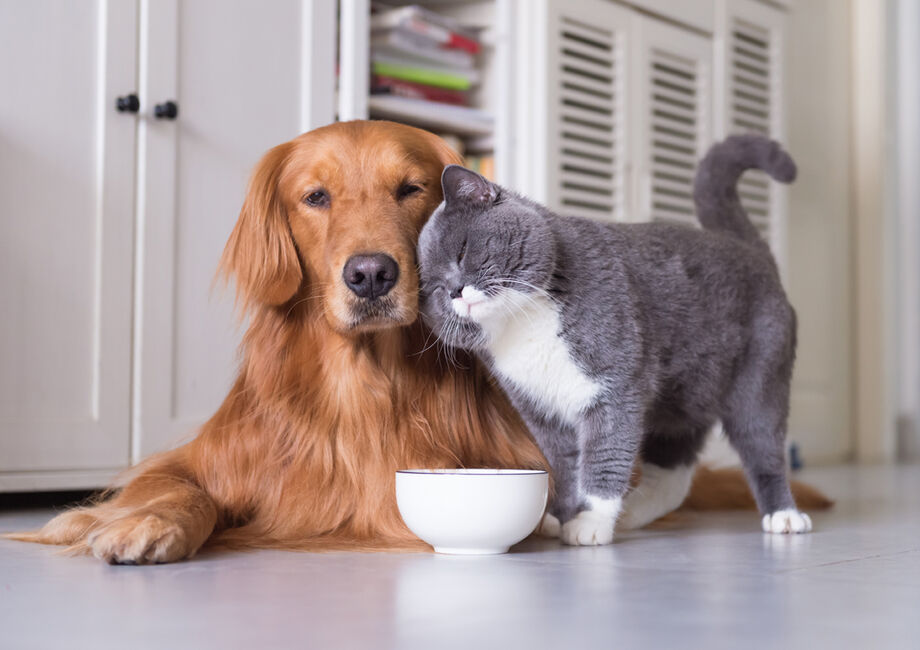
x: 472, y: 471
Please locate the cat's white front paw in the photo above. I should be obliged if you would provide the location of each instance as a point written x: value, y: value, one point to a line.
x: 588, y: 528
x: 786, y: 521
x: 549, y: 527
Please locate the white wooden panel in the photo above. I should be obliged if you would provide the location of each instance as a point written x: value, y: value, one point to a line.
x: 318, y: 64
x: 66, y: 193
x: 354, y: 71
x: 749, y: 98
x: 907, y: 109
x: 234, y: 69
x: 671, y: 117
x: 579, y: 109
x: 818, y: 51
x: 695, y: 13
x: 820, y: 267
x: 66, y: 479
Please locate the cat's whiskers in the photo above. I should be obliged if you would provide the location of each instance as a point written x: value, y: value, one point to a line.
x: 520, y: 308
x: 533, y: 287
x: 448, y: 340
x: 516, y: 309
x: 444, y: 341
x: 453, y: 351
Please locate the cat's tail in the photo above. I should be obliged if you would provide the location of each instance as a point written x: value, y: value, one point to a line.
x: 715, y: 190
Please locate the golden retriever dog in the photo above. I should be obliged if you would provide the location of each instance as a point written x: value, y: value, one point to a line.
x: 339, y: 383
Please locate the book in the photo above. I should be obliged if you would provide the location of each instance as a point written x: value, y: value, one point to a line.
x: 481, y: 164
x: 453, y: 141
x: 400, y: 43
x: 461, y: 120
x: 440, y: 29
x: 389, y: 86
x: 408, y: 70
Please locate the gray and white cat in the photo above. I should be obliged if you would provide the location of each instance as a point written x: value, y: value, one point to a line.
x: 621, y: 341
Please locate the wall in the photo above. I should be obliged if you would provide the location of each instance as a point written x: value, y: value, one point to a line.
x: 818, y: 134
x: 907, y: 154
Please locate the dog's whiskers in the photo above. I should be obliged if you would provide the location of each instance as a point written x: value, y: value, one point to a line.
x: 316, y: 296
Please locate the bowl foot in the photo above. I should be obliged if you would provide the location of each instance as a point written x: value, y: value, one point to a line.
x: 448, y: 550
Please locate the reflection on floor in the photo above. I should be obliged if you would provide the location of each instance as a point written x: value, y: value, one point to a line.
x: 707, y: 580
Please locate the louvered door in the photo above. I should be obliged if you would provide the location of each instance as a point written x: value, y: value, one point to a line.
x: 749, y: 99
x: 584, y: 119
x: 671, y: 114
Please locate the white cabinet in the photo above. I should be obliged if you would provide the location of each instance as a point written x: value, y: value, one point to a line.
x: 66, y: 234
x: 234, y: 69
x: 113, y: 344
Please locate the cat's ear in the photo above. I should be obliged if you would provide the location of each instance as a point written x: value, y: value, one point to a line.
x: 462, y: 184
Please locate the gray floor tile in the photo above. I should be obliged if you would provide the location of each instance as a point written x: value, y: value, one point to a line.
x: 706, y: 580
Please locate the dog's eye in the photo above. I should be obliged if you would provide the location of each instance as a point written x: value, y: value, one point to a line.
x: 317, y: 199
x: 407, y: 189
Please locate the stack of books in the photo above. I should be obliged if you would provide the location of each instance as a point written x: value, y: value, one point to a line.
x: 476, y: 153
x: 483, y: 163
x: 423, y: 66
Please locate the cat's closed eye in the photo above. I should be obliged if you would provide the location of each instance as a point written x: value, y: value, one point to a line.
x: 462, y: 252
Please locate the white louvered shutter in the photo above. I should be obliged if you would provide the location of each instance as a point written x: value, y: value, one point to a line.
x: 585, y: 108
x: 672, y: 112
x: 749, y: 99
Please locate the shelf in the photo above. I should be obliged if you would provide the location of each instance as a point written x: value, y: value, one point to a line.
x: 460, y: 120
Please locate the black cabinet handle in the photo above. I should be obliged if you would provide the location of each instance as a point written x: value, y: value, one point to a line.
x: 166, y: 111
x: 127, y: 104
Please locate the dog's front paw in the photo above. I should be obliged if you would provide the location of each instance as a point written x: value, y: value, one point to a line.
x: 549, y: 526
x: 139, y: 539
x: 588, y: 528
x: 786, y: 521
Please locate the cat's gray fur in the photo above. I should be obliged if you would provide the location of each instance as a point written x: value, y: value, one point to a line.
x: 680, y: 326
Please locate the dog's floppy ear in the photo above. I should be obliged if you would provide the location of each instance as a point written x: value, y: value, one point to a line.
x: 445, y: 153
x: 260, y: 252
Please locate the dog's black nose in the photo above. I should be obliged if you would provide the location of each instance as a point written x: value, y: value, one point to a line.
x: 371, y: 276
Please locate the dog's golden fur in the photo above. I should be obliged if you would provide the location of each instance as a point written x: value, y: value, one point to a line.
x: 330, y: 400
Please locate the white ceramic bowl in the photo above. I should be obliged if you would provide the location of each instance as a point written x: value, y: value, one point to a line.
x: 471, y: 511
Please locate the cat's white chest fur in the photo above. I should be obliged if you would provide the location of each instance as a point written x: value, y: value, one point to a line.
x: 529, y: 352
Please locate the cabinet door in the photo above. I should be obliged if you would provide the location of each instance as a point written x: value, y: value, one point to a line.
x: 66, y: 209
x: 244, y: 79
x: 749, y: 98
x: 671, y: 117
x: 571, y: 156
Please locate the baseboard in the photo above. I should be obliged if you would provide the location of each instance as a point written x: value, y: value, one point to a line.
x: 67, y: 479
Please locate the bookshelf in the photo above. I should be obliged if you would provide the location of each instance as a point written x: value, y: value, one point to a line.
x: 475, y: 123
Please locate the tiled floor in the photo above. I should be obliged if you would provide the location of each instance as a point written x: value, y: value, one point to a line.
x: 709, y: 581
